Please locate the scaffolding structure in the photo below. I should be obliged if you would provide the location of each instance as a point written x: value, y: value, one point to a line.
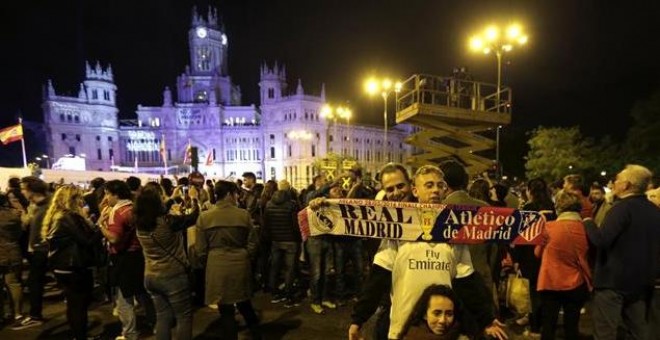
x: 451, y: 116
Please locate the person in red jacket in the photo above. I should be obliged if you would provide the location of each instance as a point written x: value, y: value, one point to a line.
x: 564, y: 279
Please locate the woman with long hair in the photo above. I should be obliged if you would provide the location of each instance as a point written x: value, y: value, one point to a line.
x: 70, y: 237
x: 167, y: 269
x: 538, y: 199
x: 437, y: 315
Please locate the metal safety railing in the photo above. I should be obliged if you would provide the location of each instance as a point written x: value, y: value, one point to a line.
x: 453, y: 92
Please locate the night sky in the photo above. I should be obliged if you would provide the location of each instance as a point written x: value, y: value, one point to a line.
x: 586, y: 63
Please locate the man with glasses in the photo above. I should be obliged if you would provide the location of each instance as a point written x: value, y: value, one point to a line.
x: 393, y: 273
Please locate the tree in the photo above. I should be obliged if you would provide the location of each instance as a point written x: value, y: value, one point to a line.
x: 556, y: 152
x: 643, y: 137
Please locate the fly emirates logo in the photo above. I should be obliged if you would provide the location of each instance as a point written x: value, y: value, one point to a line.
x: 433, y: 261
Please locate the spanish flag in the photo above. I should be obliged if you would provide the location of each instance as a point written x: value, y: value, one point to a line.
x: 11, y: 134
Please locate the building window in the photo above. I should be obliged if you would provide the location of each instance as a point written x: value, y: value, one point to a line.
x: 289, y: 150
x: 98, y: 138
x: 109, y: 139
x: 331, y: 139
x: 169, y: 154
x: 272, y: 152
x: 272, y: 139
x: 76, y: 119
x: 95, y: 94
x: 213, y: 154
x: 111, y: 153
x: 99, y: 156
x: 271, y: 93
x: 78, y: 138
x: 106, y: 95
x: 272, y: 172
x: 64, y: 136
x: 313, y: 150
x: 61, y: 117
x: 72, y: 150
x: 68, y: 118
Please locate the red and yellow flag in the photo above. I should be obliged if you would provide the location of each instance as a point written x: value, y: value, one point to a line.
x: 11, y: 134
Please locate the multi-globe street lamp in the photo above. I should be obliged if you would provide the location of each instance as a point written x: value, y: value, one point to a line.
x: 497, y: 40
x: 332, y: 113
x: 383, y: 86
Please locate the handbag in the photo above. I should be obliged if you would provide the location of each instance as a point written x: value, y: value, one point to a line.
x: 517, y: 294
x: 188, y: 269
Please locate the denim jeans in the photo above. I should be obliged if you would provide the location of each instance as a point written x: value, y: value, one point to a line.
x: 126, y: 310
x: 348, y: 249
x: 283, y: 251
x: 172, y: 299
x: 318, y: 247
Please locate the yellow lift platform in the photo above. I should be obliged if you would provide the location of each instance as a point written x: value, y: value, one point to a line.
x: 450, y: 114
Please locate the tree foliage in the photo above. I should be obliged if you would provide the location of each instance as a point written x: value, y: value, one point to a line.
x: 643, y: 138
x: 555, y: 152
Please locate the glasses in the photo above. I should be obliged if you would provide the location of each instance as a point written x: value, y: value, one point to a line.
x: 399, y: 186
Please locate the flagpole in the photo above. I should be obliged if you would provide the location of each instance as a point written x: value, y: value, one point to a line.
x: 20, y: 122
x: 164, y: 152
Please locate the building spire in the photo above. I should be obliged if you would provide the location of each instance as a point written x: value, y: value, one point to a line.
x: 299, y: 89
x: 81, y: 93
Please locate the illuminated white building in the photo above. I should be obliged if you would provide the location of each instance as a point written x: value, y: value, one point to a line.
x: 279, y: 139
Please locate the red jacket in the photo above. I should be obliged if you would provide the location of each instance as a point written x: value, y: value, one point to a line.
x: 564, y: 263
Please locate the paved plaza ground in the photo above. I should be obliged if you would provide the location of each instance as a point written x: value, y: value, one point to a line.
x: 278, y: 322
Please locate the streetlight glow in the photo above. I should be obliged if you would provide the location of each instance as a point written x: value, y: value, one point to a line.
x: 326, y: 111
x: 371, y: 86
x: 387, y: 84
x: 513, y: 31
x: 492, y: 41
x: 476, y: 44
x: 492, y: 32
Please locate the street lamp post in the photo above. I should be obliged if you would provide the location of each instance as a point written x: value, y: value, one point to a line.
x: 385, y: 87
x: 334, y: 113
x: 491, y: 40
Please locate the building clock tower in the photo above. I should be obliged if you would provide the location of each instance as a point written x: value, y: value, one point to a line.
x: 208, y: 45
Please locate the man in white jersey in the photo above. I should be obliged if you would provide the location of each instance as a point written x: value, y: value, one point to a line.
x: 405, y: 269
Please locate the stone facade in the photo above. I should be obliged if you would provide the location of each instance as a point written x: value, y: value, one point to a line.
x: 280, y: 138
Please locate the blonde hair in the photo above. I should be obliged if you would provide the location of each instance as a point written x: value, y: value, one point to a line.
x: 66, y: 199
x: 427, y: 169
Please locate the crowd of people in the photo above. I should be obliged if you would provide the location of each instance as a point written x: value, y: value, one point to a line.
x: 167, y: 247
